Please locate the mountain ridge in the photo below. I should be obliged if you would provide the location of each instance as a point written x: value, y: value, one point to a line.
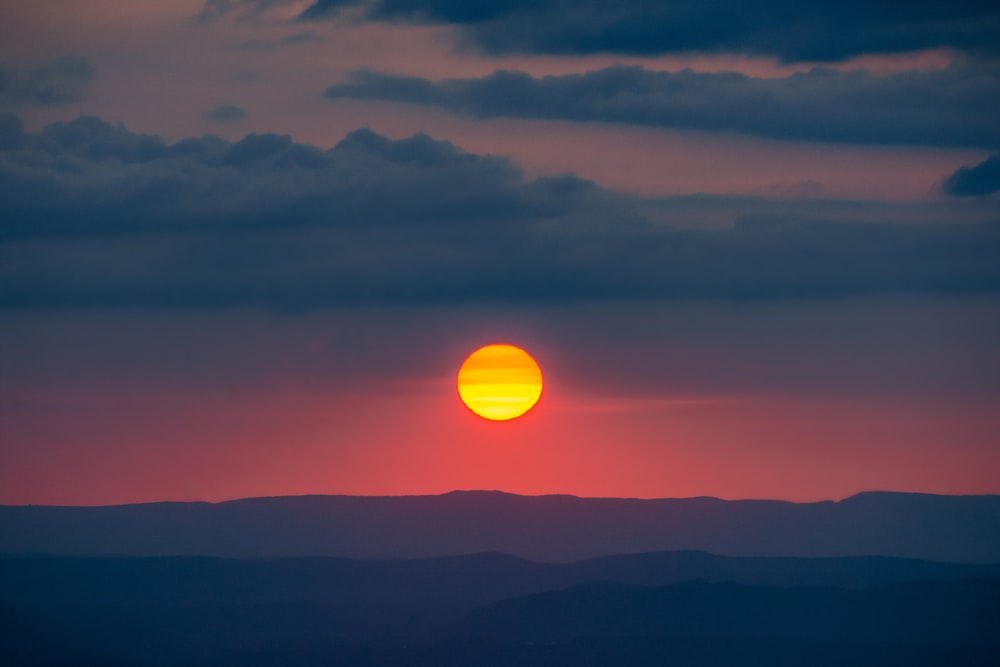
x: 449, y: 581
x: 552, y: 528
x: 500, y: 493
x: 257, y: 613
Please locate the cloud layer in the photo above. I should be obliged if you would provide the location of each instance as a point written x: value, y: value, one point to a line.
x: 96, y: 215
x: 786, y: 29
x: 951, y: 107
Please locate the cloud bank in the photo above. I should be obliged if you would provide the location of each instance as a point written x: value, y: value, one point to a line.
x: 951, y: 107
x: 789, y: 30
x: 98, y: 216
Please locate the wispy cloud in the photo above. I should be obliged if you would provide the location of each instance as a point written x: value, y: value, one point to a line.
x: 59, y: 81
x: 214, y: 9
x: 226, y: 113
x: 272, y: 44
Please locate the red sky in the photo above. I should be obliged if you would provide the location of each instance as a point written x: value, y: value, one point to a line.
x: 881, y: 373
x: 108, y: 450
x: 766, y: 401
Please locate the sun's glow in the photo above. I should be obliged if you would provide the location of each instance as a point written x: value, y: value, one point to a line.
x: 500, y: 382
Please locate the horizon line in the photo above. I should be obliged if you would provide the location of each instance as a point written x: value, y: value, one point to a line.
x: 499, y: 492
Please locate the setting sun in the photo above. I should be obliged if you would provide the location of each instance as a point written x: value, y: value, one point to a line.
x: 500, y: 382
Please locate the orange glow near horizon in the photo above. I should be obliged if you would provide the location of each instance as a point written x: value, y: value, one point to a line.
x: 500, y: 382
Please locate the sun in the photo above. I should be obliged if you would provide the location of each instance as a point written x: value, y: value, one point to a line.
x: 500, y: 382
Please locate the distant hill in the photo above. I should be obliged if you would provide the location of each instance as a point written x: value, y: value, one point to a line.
x: 493, y: 610
x: 545, y: 528
x: 942, y: 613
x: 457, y: 582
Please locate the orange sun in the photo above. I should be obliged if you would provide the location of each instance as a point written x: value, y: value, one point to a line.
x: 500, y: 382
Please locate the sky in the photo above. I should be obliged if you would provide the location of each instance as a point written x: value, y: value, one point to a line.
x: 245, y: 246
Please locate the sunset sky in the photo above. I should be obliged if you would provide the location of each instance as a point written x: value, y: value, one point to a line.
x: 245, y: 246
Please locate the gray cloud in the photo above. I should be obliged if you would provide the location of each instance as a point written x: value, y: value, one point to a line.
x: 226, y: 113
x: 951, y: 107
x: 58, y: 81
x: 982, y: 179
x: 790, y: 30
x: 97, y: 216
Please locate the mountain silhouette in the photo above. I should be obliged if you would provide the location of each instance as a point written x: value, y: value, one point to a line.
x: 194, y: 611
x: 458, y: 582
x: 959, y: 613
x: 494, y: 579
x: 545, y: 528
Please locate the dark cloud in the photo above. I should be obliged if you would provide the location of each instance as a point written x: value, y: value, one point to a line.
x: 950, y: 107
x: 59, y: 81
x: 982, y: 179
x: 790, y: 30
x: 91, y: 140
x: 95, y: 215
x: 226, y: 113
